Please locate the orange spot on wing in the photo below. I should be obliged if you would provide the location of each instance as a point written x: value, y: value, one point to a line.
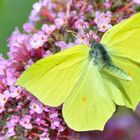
x: 84, y: 98
x: 129, y: 73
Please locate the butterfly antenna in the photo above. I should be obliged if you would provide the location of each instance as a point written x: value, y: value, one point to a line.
x: 86, y: 30
x: 74, y: 34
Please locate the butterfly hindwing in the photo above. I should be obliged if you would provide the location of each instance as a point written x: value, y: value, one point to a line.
x: 89, y: 105
x: 131, y: 89
x: 122, y: 44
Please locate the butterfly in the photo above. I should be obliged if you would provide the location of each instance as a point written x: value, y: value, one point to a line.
x: 90, y: 81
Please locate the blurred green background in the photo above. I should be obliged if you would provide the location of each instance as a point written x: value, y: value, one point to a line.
x: 13, y: 13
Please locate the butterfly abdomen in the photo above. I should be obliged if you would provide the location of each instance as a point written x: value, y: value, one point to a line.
x: 103, y: 61
x: 116, y: 71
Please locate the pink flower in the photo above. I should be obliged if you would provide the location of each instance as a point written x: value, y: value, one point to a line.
x: 70, y: 44
x: 13, y: 121
x: 7, y: 93
x: 55, y: 124
x: 2, y: 72
x: 108, y: 4
x: 48, y: 29
x: 61, y: 128
x: 54, y: 115
x: 92, y: 35
x: 82, y: 38
x: 104, y: 26
x: 10, y: 80
x: 3, y: 99
x: 2, y: 109
x: 47, y: 2
x: 40, y: 121
x: 38, y: 39
x: 17, y: 39
x: 47, y: 53
x: 34, y: 16
x: 28, y: 27
x: 78, y: 4
x: 45, y: 138
x: 10, y: 132
x: 29, y: 63
x: 61, y: 44
x: 15, y: 91
x: 81, y: 24
x: 37, y: 6
x: 103, y: 20
x: 61, y: 20
x: 46, y: 109
x: 89, y: 8
x: 3, y: 64
x: 25, y: 122
x: 136, y: 1
x: 36, y: 106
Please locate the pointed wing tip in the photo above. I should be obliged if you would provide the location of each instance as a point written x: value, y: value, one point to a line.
x: 18, y: 82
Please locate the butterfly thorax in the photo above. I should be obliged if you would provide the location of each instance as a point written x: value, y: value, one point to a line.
x: 101, y: 58
x: 99, y: 55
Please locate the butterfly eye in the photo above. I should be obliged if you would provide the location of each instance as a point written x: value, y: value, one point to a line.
x: 94, y: 43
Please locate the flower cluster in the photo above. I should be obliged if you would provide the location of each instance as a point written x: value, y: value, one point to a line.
x: 103, y: 20
x: 49, y: 30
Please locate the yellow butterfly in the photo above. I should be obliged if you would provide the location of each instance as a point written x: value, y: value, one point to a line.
x: 90, y: 82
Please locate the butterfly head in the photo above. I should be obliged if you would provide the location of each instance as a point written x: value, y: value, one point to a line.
x: 94, y: 43
x: 95, y: 47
